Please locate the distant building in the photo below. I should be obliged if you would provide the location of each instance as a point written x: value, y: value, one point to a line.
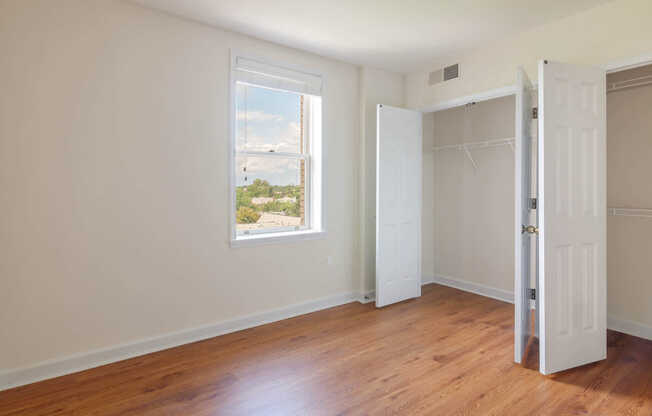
x: 271, y: 220
x: 261, y: 200
x: 287, y: 199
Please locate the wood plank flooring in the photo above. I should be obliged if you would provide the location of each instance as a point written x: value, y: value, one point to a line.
x: 446, y: 353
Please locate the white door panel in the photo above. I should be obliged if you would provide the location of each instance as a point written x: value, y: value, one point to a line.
x: 398, y: 204
x: 522, y: 242
x: 572, y: 215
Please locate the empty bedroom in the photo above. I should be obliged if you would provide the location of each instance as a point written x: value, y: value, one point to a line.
x: 221, y: 207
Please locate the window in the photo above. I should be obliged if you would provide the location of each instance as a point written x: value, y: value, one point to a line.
x: 276, y: 185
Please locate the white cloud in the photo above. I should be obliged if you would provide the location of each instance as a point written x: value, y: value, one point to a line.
x: 278, y: 140
x: 258, y: 116
x: 276, y: 171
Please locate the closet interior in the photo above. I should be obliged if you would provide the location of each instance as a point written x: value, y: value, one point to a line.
x: 629, y: 193
x: 468, y: 195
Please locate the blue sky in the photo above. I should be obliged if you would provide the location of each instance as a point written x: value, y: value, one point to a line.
x: 267, y: 120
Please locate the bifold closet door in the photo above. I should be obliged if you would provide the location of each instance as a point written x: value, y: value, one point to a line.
x: 399, y: 136
x: 522, y: 314
x: 572, y: 216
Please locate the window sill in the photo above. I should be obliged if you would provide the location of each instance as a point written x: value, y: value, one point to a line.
x: 286, y: 237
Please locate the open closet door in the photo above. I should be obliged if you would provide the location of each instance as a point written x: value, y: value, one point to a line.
x: 398, y: 204
x: 572, y: 216
x: 523, y: 193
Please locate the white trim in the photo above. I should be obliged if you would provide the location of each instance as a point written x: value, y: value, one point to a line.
x: 315, y: 192
x: 367, y: 297
x: 472, y: 287
x: 426, y: 280
x: 629, y: 63
x: 275, y: 238
x: 270, y: 75
x: 283, y: 155
x: 633, y: 328
x: 90, y: 359
x: 232, y: 229
x: 483, y: 96
x: 541, y: 223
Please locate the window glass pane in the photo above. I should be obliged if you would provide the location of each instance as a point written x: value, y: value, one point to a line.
x: 270, y: 193
x: 267, y: 120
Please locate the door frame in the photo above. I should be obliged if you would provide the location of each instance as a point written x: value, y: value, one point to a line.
x: 461, y: 101
x: 629, y: 63
x: 525, y: 88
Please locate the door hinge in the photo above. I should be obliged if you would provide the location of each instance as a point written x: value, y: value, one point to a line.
x: 532, y: 294
x: 535, y: 113
x: 530, y: 229
x: 533, y: 203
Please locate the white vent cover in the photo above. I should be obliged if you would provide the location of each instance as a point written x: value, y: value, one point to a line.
x: 445, y: 74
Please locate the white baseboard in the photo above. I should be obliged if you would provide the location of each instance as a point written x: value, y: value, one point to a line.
x: 633, y: 328
x: 96, y: 358
x: 467, y: 286
x: 367, y: 297
x: 636, y: 329
x: 370, y: 296
x: 86, y: 360
x: 426, y: 280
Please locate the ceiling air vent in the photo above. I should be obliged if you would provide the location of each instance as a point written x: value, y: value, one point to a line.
x: 444, y: 74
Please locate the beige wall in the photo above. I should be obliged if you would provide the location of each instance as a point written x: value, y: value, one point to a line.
x: 114, y: 179
x: 471, y: 234
x: 629, y: 170
x: 616, y: 30
x: 376, y: 87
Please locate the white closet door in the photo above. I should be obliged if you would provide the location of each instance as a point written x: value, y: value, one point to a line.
x: 572, y: 216
x: 398, y: 204
x: 522, y: 314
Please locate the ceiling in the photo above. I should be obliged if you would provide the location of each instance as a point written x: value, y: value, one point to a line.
x: 396, y: 35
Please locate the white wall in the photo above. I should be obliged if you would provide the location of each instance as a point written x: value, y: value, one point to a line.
x: 376, y: 87
x: 114, y: 179
x: 616, y: 30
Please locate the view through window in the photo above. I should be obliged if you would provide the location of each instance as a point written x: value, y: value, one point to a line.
x: 271, y: 161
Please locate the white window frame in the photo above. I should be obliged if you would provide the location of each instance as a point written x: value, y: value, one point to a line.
x: 312, y: 153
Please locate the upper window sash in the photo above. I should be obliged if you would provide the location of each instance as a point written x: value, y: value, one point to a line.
x: 259, y: 73
x: 284, y: 155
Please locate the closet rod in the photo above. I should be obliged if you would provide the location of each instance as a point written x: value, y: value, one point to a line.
x: 629, y: 212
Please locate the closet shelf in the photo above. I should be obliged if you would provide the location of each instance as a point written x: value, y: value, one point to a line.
x: 629, y: 212
x: 467, y: 147
x: 634, y: 82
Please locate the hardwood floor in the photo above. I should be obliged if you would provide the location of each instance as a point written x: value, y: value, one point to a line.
x: 446, y: 353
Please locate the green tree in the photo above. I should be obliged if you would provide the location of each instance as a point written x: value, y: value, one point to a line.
x: 246, y: 215
x: 260, y: 187
x: 242, y: 197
